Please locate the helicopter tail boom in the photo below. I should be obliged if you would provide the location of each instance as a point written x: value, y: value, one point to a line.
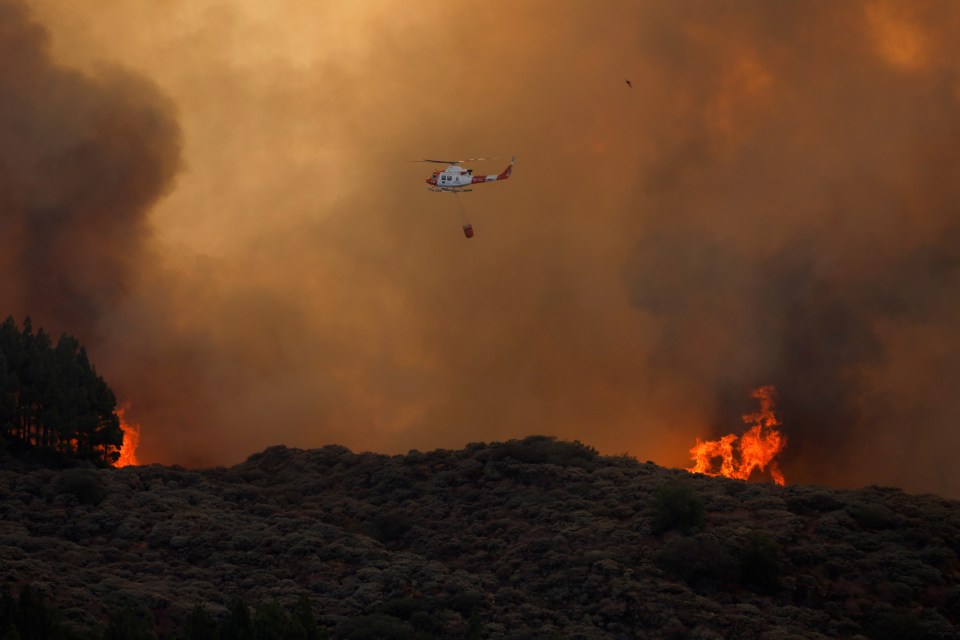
x: 503, y: 175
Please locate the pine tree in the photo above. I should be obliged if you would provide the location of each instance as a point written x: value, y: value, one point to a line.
x: 201, y: 625
x: 11, y: 347
x: 34, y: 620
x: 271, y: 622
x: 238, y: 624
x: 130, y: 625
x: 8, y: 613
x: 303, y: 612
x: 53, y: 397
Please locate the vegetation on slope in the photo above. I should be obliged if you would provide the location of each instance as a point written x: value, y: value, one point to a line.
x: 531, y: 538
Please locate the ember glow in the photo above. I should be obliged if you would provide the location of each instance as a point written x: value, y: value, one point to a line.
x: 757, y: 449
x: 131, y: 439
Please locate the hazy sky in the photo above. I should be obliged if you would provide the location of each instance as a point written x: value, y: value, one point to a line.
x: 216, y: 197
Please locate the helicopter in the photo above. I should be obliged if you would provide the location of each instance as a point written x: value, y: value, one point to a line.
x: 455, y: 179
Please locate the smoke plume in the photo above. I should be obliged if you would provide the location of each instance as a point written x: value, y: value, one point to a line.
x: 82, y: 159
x: 805, y: 227
x: 772, y: 201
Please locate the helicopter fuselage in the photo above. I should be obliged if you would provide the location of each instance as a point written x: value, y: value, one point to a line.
x: 455, y: 178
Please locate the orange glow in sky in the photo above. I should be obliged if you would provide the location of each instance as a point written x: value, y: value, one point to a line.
x: 252, y: 260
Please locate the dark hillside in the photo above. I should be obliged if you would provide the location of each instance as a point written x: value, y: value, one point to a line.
x: 524, y: 539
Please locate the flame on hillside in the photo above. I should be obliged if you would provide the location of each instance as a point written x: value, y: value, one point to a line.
x: 131, y: 439
x: 757, y: 449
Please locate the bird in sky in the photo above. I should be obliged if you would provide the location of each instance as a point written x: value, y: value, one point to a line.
x: 629, y: 84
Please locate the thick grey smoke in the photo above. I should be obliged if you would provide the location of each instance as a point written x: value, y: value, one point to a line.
x: 772, y: 202
x: 82, y: 159
x: 805, y: 228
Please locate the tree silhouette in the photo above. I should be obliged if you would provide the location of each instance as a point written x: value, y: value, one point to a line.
x: 200, y: 625
x: 238, y: 624
x: 51, y: 396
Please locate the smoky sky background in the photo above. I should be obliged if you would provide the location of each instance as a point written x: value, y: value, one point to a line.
x: 215, y: 197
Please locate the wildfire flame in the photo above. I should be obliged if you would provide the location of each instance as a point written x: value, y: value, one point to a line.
x: 131, y: 439
x: 758, y: 447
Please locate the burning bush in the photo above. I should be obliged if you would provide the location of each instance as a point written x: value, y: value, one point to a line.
x: 740, y: 456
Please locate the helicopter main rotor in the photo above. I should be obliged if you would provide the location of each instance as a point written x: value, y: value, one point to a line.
x: 453, y: 161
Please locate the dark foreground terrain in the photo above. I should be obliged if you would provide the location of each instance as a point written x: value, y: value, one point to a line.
x: 524, y: 539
